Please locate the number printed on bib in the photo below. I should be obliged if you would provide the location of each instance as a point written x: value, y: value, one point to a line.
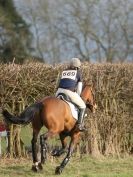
x: 69, y: 74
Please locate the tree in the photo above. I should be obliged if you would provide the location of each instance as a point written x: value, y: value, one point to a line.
x: 112, y: 36
x: 14, y: 33
x: 39, y: 15
x: 97, y: 30
x: 74, y: 23
x: 94, y: 30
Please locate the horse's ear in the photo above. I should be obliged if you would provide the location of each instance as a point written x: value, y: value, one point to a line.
x: 94, y: 86
x: 88, y: 84
x: 91, y: 88
x: 85, y: 83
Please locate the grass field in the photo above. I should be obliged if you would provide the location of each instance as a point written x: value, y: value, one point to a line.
x: 78, y: 167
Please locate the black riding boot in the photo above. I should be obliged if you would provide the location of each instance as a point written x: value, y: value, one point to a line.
x: 80, y: 120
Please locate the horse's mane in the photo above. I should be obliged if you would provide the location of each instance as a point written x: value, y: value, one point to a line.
x: 87, y: 85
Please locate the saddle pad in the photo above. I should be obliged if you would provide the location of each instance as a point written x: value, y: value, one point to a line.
x: 74, y: 109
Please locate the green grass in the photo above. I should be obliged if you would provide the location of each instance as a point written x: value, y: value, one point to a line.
x: 26, y: 135
x: 77, y: 167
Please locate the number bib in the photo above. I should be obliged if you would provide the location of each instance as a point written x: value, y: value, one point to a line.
x: 69, y: 74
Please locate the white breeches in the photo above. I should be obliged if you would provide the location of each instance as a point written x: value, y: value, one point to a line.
x: 73, y: 96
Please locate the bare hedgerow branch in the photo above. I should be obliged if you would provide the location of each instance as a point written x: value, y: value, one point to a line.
x: 109, y: 130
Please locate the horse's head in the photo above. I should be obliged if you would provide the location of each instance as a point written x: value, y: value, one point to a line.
x: 89, y: 98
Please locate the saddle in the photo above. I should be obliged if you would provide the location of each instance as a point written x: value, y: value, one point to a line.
x: 64, y: 97
x: 74, y: 107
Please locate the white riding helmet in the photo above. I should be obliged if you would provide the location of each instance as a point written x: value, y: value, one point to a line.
x: 75, y: 62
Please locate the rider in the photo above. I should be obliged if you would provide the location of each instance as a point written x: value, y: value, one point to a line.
x: 71, y: 84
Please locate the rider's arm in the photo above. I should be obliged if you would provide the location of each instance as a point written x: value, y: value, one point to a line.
x: 80, y: 84
x: 79, y: 87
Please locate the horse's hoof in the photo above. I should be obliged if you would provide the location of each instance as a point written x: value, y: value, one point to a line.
x: 58, y: 170
x: 54, y: 152
x: 40, y: 166
x: 35, y: 168
x: 57, y: 153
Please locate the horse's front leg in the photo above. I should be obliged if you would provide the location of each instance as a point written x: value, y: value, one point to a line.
x: 73, y: 142
x: 59, y: 152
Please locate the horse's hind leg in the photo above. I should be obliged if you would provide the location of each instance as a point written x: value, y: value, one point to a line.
x: 43, y: 148
x: 36, y: 164
x: 43, y: 143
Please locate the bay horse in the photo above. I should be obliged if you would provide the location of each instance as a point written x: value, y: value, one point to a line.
x: 56, y: 116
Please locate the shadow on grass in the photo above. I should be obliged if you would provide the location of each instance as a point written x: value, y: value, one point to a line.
x: 18, y: 171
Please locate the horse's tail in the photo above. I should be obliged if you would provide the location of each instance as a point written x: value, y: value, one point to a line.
x: 25, y: 117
